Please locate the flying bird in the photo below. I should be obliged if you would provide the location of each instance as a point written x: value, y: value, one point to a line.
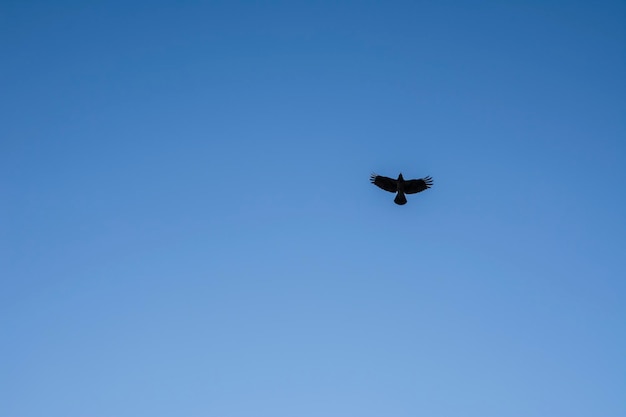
x: 401, y: 186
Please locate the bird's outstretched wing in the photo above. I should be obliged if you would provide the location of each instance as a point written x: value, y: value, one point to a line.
x: 386, y: 183
x: 415, y: 186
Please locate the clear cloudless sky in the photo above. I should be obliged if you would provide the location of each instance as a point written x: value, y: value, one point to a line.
x: 187, y: 226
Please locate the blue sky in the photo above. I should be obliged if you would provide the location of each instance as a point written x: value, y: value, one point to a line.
x: 187, y: 226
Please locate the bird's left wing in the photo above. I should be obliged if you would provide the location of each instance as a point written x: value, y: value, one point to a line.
x: 386, y: 183
x: 415, y: 186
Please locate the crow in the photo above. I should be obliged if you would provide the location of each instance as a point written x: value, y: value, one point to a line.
x: 401, y: 186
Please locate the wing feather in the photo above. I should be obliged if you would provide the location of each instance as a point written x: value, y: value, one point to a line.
x: 415, y: 186
x: 386, y: 183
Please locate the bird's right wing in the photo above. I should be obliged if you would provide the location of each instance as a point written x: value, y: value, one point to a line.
x: 386, y: 183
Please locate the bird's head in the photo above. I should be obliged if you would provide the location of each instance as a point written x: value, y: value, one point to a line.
x: 400, y: 178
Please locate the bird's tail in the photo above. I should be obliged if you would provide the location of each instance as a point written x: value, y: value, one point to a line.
x: 400, y: 199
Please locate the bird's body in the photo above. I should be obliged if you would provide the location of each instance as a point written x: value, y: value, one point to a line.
x: 401, y: 186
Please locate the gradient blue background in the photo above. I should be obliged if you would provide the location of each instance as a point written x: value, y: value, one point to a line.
x: 187, y: 227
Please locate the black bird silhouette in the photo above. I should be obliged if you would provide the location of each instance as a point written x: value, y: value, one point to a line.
x: 401, y: 186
